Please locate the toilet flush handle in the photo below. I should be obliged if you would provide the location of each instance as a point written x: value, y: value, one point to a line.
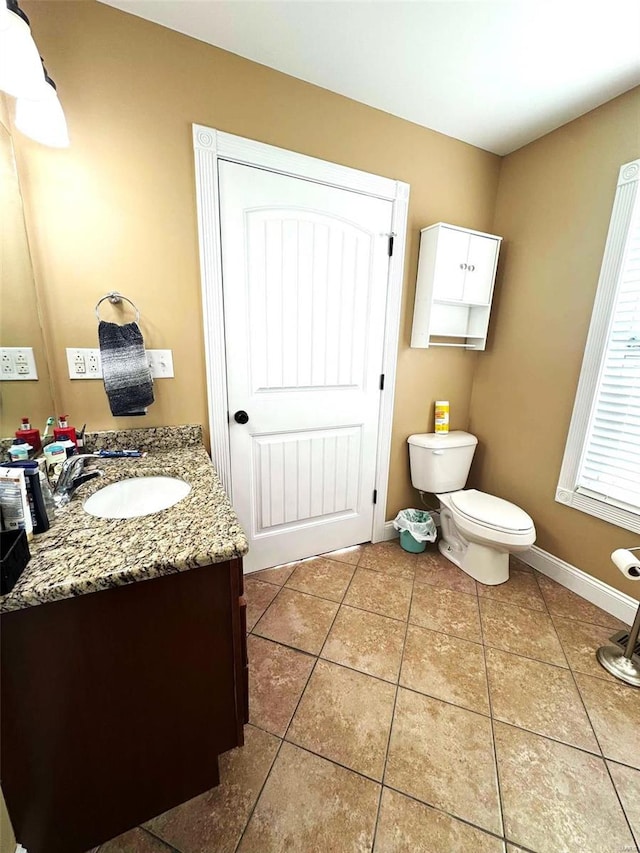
x: 437, y: 452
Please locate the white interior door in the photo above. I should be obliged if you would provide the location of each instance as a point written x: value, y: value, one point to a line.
x: 305, y: 270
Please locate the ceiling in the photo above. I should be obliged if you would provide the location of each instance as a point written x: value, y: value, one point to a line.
x: 494, y: 73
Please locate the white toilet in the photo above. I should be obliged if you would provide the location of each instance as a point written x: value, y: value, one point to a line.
x: 478, y: 531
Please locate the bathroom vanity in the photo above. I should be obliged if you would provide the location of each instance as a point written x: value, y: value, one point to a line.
x: 124, y: 665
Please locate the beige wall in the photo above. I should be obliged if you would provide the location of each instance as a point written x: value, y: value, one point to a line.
x: 553, y: 208
x: 117, y: 209
x: 7, y: 838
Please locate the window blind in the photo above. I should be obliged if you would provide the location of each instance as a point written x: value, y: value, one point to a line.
x: 610, y: 466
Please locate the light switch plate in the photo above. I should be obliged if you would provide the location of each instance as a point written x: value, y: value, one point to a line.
x: 17, y: 363
x: 161, y: 363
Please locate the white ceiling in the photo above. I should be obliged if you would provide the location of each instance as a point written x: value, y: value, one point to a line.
x: 494, y: 73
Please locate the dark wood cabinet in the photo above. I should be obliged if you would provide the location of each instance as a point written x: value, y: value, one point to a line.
x: 117, y: 704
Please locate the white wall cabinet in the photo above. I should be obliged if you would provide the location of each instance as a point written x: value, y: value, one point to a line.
x: 456, y: 274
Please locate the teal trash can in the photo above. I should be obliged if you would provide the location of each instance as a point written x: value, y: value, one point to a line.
x: 410, y: 544
x: 416, y: 528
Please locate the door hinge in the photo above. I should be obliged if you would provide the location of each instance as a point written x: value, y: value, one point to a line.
x: 382, y: 381
x: 391, y: 236
x: 375, y: 496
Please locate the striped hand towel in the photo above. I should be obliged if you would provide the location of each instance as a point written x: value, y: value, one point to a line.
x: 126, y: 373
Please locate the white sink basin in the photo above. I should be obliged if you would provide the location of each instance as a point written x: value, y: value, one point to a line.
x: 136, y: 496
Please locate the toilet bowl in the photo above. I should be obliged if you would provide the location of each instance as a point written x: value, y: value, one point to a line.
x: 478, y: 530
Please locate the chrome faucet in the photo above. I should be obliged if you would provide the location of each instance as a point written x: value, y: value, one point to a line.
x: 74, y: 474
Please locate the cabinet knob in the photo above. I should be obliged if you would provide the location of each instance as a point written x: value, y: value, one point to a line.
x: 471, y: 267
x: 463, y: 266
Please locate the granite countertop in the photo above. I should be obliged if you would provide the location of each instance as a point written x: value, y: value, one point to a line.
x: 82, y: 554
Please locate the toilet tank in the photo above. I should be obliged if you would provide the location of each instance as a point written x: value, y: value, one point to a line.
x: 441, y: 463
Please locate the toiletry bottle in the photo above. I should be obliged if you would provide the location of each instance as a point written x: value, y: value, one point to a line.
x: 442, y: 417
x: 16, y: 514
x: 69, y: 447
x: 45, y: 487
x: 19, y: 450
x: 31, y: 436
x: 64, y: 432
x: 55, y: 455
x: 39, y: 517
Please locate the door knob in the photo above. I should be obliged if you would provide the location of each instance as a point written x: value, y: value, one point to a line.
x: 241, y: 417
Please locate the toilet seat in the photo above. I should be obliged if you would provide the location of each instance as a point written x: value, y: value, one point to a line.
x: 490, y: 512
x: 502, y: 525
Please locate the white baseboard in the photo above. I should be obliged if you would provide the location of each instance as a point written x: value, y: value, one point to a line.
x: 598, y: 592
x: 389, y: 531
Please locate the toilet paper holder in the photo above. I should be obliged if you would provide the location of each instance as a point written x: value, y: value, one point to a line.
x: 625, y: 665
x: 629, y: 565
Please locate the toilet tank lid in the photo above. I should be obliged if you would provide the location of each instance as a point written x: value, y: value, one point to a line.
x: 457, y: 438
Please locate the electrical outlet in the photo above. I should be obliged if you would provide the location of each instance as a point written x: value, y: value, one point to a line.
x: 84, y: 363
x: 17, y: 363
x: 94, y: 365
x: 161, y: 363
x: 7, y: 364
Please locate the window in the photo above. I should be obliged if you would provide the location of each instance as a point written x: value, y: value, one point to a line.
x: 600, y: 472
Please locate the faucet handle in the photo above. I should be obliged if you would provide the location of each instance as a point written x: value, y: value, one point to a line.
x: 90, y: 475
x: 64, y: 487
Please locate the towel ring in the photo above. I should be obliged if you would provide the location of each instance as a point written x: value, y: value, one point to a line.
x: 115, y: 298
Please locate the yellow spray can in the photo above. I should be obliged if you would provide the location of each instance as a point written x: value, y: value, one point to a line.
x: 442, y: 417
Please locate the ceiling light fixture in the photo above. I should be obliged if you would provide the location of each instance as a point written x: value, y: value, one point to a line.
x: 21, y: 72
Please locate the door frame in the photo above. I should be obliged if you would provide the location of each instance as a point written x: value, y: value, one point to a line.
x: 210, y: 146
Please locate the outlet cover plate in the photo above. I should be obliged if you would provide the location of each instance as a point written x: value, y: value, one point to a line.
x: 84, y: 363
x: 17, y: 363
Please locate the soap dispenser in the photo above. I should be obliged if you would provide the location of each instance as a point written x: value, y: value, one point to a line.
x: 64, y: 432
x: 29, y: 435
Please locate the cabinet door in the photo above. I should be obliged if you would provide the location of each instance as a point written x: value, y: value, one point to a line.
x: 481, y: 261
x: 451, y: 261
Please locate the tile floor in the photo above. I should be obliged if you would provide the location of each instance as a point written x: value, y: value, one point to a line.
x: 397, y: 706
